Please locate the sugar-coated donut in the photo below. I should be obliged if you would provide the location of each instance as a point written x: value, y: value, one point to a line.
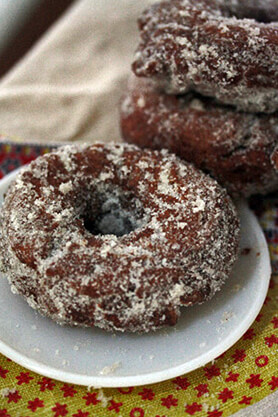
x: 116, y: 237
x: 214, y: 47
x: 235, y: 148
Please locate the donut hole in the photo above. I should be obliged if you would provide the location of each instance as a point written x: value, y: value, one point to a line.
x: 113, y: 213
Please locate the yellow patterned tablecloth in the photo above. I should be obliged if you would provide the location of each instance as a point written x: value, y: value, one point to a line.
x: 242, y: 376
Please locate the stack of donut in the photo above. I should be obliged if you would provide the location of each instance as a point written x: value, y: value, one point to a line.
x: 206, y: 88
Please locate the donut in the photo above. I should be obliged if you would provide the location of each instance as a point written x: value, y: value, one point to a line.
x: 226, y: 49
x: 116, y: 237
x: 236, y: 148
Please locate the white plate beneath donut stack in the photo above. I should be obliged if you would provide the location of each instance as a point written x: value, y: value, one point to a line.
x: 96, y: 358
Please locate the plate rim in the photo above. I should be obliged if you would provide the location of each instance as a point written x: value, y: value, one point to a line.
x: 158, y: 376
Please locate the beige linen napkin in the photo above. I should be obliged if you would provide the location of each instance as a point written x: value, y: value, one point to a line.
x: 68, y: 87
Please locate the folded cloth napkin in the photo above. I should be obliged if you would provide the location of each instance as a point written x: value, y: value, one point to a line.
x: 241, y: 377
x: 68, y: 87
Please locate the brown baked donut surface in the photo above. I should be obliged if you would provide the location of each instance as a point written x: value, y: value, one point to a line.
x: 214, y: 47
x: 116, y: 237
x: 235, y: 148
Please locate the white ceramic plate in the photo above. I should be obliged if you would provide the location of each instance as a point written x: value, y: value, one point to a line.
x: 96, y: 358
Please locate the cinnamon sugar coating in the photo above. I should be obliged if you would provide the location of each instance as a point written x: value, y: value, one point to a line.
x: 116, y: 237
x: 235, y: 148
x: 214, y: 47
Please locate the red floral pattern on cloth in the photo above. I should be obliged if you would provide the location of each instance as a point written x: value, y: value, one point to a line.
x: 240, y: 377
